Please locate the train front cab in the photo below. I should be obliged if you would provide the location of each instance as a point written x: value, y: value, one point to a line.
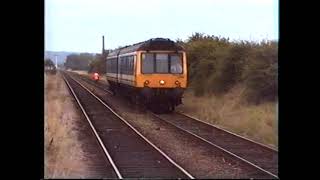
x: 161, y: 77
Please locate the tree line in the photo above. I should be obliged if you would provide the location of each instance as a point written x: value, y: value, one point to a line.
x: 79, y: 61
x: 48, y: 62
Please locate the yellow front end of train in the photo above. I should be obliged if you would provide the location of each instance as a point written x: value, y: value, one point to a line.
x: 152, y: 75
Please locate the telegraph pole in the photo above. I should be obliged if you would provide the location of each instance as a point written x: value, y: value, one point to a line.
x: 103, y: 46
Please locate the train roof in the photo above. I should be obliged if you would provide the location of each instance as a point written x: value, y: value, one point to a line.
x: 149, y: 45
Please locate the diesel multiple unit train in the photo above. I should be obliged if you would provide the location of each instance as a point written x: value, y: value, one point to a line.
x: 153, y: 72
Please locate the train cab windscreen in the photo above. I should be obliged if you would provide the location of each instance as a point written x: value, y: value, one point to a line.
x: 161, y: 63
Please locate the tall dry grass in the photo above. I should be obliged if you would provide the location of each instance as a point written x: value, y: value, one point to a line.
x: 62, y: 149
x: 257, y: 122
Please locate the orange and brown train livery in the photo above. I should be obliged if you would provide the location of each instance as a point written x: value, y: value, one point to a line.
x: 153, y: 71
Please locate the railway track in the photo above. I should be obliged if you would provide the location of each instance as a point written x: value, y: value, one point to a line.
x: 98, y: 84
x: 128, y: 151
x: 254, y: 154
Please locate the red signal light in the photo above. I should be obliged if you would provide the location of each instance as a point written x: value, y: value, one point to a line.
x: 95, y: 76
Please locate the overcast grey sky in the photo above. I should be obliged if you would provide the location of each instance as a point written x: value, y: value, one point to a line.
x: 78, y: 25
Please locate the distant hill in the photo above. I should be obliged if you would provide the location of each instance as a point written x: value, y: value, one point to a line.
x: 61, y: 55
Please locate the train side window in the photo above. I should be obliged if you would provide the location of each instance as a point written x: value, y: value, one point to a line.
x: 131, y: 65
x: 147, y: 63
x: 111, y: 66
x: 122, y: 64
x: 126, y: 65
x: 108, y: 66
x: 114, y: 65
x: 134, y: 60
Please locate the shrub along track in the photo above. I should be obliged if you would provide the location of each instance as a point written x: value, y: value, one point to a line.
x: 232, y: 146
x: 129, y: 152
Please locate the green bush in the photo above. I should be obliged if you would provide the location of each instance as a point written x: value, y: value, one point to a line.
x: 261, y: 75
x: 224, y: 76
x: 98, y: 64
x: 216, y: 65
x: 78, y: 61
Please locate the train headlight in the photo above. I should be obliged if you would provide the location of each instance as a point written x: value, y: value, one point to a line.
x: 146, y: 83
x: 177, y: 83
x: 161, y: 82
